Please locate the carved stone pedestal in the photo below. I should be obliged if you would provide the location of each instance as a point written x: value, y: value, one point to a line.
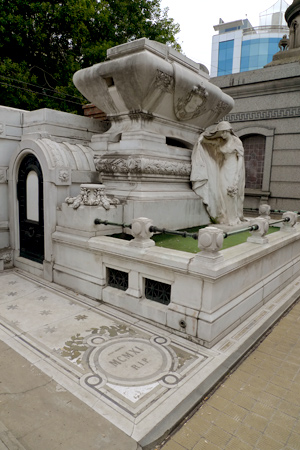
x: 157, y: 102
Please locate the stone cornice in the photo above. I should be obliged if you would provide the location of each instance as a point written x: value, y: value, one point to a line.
x: 259, y: 81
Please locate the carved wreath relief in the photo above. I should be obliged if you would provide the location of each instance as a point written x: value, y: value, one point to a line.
x: 192, y: 105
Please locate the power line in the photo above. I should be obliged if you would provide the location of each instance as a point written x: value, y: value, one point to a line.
x: 40, y: 93
x: 41, y: 87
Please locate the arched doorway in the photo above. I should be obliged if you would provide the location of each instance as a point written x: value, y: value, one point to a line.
x: 31, y: 209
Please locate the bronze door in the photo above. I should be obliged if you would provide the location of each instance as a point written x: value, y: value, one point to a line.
x: 31, y: 209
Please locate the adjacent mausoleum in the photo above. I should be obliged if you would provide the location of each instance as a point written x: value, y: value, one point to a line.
x: 266, y: 116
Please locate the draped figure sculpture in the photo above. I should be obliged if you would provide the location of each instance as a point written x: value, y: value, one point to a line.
x: 218, y: 173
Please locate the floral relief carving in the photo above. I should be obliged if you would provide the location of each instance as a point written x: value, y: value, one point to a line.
x: 6, y: 257
x: 92, y: 195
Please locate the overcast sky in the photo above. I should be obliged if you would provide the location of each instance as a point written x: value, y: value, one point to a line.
x: 197, y: 18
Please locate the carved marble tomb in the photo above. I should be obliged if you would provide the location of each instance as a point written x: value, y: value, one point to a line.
x: 158, y: 102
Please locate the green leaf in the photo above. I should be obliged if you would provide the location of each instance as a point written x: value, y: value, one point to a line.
x: 43, y: 43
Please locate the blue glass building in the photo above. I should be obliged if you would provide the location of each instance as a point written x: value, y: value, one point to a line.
x: 240, y: 47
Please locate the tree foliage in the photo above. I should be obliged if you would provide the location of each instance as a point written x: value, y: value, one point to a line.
x: 42, y: 44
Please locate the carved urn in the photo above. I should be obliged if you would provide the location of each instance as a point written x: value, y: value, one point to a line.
x: 146, y: 85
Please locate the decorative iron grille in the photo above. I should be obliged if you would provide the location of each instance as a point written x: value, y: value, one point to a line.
x: 157, y: 291
x: 117, y: 279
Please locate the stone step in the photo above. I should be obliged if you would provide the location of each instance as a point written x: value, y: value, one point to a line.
x: 7, y: 440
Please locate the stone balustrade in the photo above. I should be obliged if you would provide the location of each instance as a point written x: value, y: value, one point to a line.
x: 201, y: 296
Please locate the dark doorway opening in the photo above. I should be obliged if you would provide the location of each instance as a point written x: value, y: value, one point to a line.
x: 31, y: 209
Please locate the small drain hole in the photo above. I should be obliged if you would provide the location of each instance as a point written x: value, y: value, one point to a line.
x: 182, y: 324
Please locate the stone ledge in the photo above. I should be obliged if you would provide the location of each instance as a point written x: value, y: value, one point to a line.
x: 7, y: 440
x: 257, y: 193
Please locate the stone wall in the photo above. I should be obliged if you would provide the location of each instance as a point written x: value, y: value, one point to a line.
x: 59, y: 141
x: 10, y: 136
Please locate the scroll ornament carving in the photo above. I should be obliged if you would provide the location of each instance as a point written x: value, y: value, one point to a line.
x: 220, y: 107
x: 164, y: 81
x: 294, y: 35
x: 91, y: 195
x: 2, y: 175
x: 142, y: 166
x: 295, y: 25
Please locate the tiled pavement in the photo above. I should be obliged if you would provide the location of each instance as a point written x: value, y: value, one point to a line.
x: 257, y: 407
x: 37, y: 413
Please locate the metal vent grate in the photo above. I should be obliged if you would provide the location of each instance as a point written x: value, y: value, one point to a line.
x: 157, y: 291
x: 117, y: 279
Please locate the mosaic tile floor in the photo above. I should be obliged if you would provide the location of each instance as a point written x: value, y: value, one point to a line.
x: 140, y: 377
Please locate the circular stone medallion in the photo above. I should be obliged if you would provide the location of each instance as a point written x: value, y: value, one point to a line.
x: 131, y: 362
